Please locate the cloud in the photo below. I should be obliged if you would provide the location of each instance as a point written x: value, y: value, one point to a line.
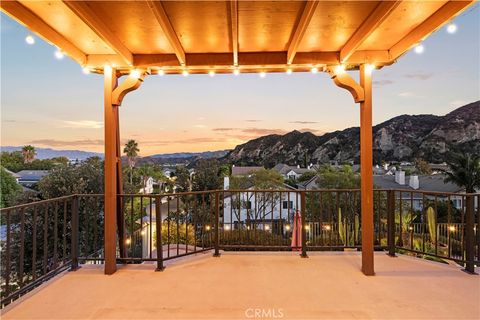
x: 261, y: 131
x: 381, y: 83
x: 225, y: 129
x: 85, y: 124
x: 61, y: 143
x: 184, y: 141
x: 253, y: 120
x: 304, y: 122
x: 418, y: 75
x: 457, y: 103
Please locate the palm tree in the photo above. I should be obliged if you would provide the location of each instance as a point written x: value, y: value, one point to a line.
x: 28, y: 153
x: 131, y: 150
x: 465, y: 171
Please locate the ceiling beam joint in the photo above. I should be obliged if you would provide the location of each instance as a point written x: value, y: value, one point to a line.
x: 300, y: 29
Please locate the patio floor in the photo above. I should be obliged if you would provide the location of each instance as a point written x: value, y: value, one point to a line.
x: 259, y: 286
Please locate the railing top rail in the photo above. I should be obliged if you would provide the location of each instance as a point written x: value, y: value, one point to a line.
x: 35, y: 203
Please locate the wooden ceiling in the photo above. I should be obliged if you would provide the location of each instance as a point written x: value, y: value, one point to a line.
x: 252, y: 36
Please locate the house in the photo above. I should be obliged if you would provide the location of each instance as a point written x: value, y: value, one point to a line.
x: 291, y: 172
x: 28, y: 178
x: 149, y: 185
x: 242, y: 171
x: 413, y: 183
x: 272, y: 211
x: 13, y: 174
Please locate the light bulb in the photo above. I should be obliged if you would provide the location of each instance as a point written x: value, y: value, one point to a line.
x: 211, y: 73
x: 340, y: 69
x: 419, y: 49
x: 263, y: 74
x: 236, y: 72
x: 369, y: 67
x: 86, y: 70
x: 29, y: 39
x: 452, y: 28
x: 59, y: 54
x: 185, y: 73
x: 135, y: 73
x: 289, y: 71
x: 161, y: 72
x: 314, y: 70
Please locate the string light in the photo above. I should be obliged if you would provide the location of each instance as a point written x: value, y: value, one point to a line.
x: 314, y: 70
x: 142, y: 232
x: 211, y: 73
x: 419, y: 49
x: 369, y: 67
x: 236, y: 72
x: 267, y: 228
x: 327, y: 227
x: 340, y: 69
x: 207, y: 228
x: 135, y: 73
x: 59, y: 54
x: 227, y: 227
x: 451, y: 28
x: 161, y: 72
x: 451, y: 228
x: 86, y: 70
x: 29, y: 39
x: 287, y: 227
x: 263, y: 74
x: 128, y: 241
x: 289, y: 71
x: 185, y: 73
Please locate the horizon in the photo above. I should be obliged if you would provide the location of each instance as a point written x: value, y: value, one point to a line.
x: 199, y: 113
x: 230, y: 149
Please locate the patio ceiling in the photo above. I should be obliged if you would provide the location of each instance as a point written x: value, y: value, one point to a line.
x: 222, y: 36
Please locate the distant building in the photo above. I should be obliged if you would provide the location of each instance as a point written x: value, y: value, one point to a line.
x: 28, y: 178
x: 291, y: 172
x: 242, y: 171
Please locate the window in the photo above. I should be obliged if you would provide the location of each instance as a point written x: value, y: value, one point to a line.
x: 287, y: 204
x: 248, y: 204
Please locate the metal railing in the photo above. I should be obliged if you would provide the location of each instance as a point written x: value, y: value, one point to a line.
x: 41, y: 239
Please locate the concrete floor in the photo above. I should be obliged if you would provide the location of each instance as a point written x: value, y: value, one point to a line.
x: 259, y: 286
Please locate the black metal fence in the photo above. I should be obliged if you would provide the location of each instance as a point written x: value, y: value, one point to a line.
x: 41, y: 239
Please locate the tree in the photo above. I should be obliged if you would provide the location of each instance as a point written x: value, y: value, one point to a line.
x: 342, y: 178
x: 131, y: 151
x: 183, y: 178
x: 146, y: 171
x: 306, y: 176
x: 208, y: 175
x: 465, y: 171
x: 28, y: 153
x: 65, y: 180
x: 422, y: 166
x: 258, y: 204
x: 10, y: 190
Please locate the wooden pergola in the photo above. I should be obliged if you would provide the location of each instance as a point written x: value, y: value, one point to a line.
x: 171, y: 37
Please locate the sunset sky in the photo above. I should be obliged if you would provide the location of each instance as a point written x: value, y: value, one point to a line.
x: 50, y: 103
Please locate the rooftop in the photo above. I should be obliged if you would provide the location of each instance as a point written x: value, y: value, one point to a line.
x: 327, y: 285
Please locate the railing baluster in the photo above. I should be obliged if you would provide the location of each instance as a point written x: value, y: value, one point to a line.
x: 55, y: 235
x: 75, y: 227
x: 158, y: 227
x: 22, y: 247
x: 34, y: 244
x: 45, y: 240
x: 8, y: 249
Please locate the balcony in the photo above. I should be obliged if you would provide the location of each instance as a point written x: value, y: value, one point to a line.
x: 258, y: 268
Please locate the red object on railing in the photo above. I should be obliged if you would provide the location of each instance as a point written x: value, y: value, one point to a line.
x: 297, y: 232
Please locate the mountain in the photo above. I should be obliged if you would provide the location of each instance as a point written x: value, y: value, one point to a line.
x: 180, y: 155
x: 402, y: 138
x: 47, y: 153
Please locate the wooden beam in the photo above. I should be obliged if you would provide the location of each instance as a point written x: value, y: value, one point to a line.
x: 379, y: 14
x: 162, y: 18
x: 442, y: 16
x: 88, y: 16
x: 30, y: 20
x: 366, y: 171
x: 110, y: 180
x: 234, y: 29
x: 345, y: 81
x: 300, y: 29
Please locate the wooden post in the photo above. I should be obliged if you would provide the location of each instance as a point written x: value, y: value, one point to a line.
x: 366, y: 171
x: 110, y: 83
x: 120, y: 218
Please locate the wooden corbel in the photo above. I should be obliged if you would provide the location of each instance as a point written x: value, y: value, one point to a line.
x: 343, y: 80
x: 132, y: 82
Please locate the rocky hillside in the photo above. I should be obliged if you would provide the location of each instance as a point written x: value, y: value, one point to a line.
x: 405, y: 137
